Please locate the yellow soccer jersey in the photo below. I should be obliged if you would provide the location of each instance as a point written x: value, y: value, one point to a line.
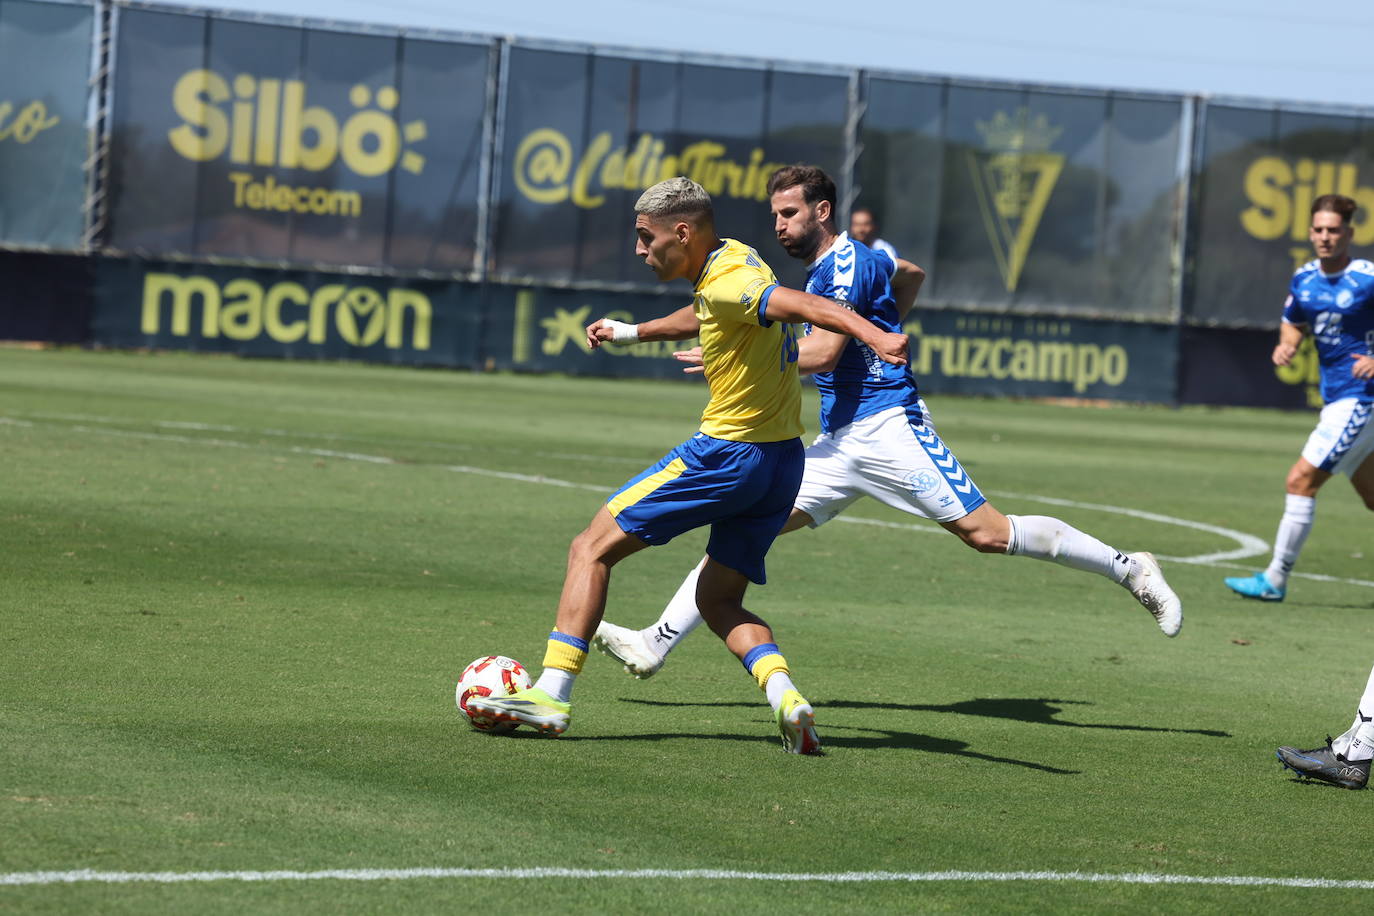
x: 751, y: 362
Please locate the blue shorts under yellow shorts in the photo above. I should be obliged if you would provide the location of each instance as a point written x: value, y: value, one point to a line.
x: 743, y: 490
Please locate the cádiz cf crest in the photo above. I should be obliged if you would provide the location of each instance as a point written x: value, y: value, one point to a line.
x: 1014, y: 175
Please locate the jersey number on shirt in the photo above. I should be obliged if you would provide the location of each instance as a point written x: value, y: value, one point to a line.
x: 788, y: 353
x: 1327, y: 327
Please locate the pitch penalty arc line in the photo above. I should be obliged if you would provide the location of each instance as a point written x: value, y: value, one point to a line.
x: 88, y: 876
x: 1249, y: 544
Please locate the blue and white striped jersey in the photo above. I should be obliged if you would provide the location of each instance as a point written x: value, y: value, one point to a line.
x: 1339, y: 311
x: 861, y: 383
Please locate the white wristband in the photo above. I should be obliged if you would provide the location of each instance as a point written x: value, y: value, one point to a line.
x: 621, y: 332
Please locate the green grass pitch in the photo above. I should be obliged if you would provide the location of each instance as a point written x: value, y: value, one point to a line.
x: 236, y: 596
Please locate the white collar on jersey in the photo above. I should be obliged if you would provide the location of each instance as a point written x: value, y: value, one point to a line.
x: 839, y: 239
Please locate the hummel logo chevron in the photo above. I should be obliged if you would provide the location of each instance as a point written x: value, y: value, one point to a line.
x: 944, y: 459
x: 960, y: 481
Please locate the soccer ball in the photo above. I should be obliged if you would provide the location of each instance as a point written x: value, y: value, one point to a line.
x: 490, y: 675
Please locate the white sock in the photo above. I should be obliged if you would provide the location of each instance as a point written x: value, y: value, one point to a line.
x: 1045, y: 538
x: 778, y: 683
x: 557, y: 683
x: 1293, y: 529
x: 678, y: 619
x: 1358, y: 741
x: 1361, y: 744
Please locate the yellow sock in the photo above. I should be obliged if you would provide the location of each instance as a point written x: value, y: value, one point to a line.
x: 565, y: 652
x: 766, y: 666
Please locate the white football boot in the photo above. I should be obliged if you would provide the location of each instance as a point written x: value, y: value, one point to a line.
x: 629, y: 647
x: 1146, y: 582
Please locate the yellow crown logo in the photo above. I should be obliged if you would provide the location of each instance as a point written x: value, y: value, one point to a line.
x: 1013, y: 178
x: 1019, y: 133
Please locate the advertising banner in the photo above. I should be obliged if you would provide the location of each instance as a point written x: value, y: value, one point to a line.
x: 286, y: 313
x: 46, y: 297
x: 1232, y: 367
x: 1257, y: 174
x: 584, y: 134
x: 544, y: 329
x: 955, y: 352
x: 952, y: 352
x: 45, y: 55
x: 1024, y: 199
x: 275, y: 142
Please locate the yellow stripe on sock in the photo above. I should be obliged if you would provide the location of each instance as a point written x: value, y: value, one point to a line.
x: 634, y: 494
x: 766, y: 667
x: 561, y: 655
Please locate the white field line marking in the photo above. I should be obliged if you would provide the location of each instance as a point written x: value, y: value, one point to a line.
x: 853, y: 877
x: 1316, y: 577
x: 302, y: 434
x: 526, y: 478
x: 927, y: 528
x: 1249, y: 544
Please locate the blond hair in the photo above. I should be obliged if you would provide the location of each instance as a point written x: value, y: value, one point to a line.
x: 676, y: 197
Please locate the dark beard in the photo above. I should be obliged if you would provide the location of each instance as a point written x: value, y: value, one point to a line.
x: 804, y: 248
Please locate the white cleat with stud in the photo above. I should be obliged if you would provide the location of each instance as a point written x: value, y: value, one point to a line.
x: 629, y: 647
x: 1147, y: 583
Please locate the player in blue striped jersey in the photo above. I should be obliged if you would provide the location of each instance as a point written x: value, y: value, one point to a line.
x: 877, y: 438
x: 1332, y: 298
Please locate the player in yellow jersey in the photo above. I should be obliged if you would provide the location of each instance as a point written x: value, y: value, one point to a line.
x: 739, y: 474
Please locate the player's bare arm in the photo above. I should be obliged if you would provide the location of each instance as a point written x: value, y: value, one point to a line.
x: 680, y: 325
x: 906, y: 286
x: 796, y: 306
x: 1364, y: 366
x: 1290, y: 336
x: 818, y: 351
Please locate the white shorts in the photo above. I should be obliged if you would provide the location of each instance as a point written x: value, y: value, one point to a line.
x: 1344, y: 437
x: 893, y: 456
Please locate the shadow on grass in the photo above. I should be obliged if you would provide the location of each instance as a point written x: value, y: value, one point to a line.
x: 1040, y: 711
x: 874, y: 739
x: 1289, y: 602
x: 884, y: 739
x: 1318, y: 784
x: 1358, y: 606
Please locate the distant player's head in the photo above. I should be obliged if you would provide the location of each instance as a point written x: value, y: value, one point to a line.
x: 803, y: 202
x: 863, y: 225
x: 1332, y: 229
x: 674, y: 228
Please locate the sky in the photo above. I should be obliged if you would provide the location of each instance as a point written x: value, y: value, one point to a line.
x: 1251, y: 49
